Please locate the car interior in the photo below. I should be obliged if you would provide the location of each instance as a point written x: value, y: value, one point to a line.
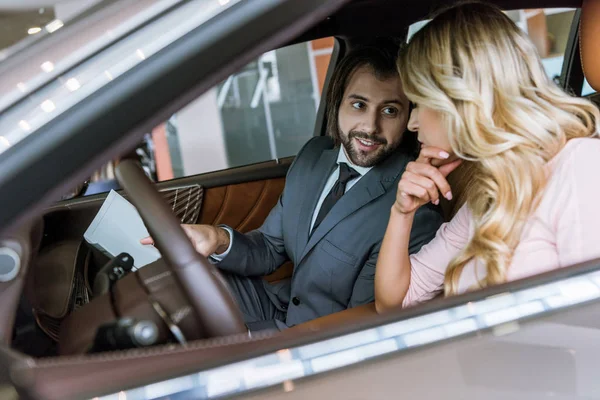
x: 52, y: 311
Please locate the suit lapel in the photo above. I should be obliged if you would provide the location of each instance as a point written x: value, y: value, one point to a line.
x: 359, y: 195
x: 371, y: 186
x: 312, y: 193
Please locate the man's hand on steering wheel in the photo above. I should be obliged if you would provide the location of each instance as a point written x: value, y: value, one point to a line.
x: 207, y: 239
x: 205, y: 289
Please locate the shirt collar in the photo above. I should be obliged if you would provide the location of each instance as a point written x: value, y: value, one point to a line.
x: 342, y: 158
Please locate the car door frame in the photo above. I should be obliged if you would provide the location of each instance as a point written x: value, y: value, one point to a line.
x: 571, y: 77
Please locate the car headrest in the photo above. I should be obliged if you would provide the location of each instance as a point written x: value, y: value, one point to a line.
x: 589, y: 41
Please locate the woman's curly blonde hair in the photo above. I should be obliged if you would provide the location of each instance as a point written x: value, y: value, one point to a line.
x: 501, y: 111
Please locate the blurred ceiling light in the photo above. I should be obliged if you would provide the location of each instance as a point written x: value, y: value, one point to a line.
x: 72, y: 84
x: 48, y: 106
x: 4, y: 143
x: 22, y: 87
x: 54, y: 25
x: 34, y: 30
x: 24, y: 125
x: 140, y: 54
x: 47, y: 66
x: 108, y: 75
x: 223, y: 2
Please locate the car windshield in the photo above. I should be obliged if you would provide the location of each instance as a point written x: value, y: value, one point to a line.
x: 32, y: 97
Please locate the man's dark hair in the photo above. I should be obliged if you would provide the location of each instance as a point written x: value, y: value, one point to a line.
x: 379, y: 56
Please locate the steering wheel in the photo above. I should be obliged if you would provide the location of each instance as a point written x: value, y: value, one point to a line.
x: 212, y: 302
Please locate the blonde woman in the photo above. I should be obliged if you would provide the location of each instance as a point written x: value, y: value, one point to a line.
x: 481, y: 94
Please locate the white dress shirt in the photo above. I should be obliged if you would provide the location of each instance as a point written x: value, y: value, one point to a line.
x: 342, y: 158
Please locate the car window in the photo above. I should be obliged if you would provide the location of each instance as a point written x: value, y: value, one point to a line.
x: 548, y: 28
x: 265, y: 111
x: 587, y: 89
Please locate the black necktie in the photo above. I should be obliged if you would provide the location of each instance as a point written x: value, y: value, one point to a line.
x: 337, y: 191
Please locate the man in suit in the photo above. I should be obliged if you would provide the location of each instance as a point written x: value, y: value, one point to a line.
x: 332, y: 215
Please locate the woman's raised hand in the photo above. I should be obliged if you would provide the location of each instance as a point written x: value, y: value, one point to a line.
x: 423, y: 182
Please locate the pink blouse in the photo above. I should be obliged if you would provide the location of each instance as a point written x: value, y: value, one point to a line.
x: 564, y: 230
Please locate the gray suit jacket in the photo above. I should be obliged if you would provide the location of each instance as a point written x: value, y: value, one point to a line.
x: 334, y: 268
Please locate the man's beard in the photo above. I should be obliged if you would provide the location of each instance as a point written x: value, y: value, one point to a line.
x: 361, y: 157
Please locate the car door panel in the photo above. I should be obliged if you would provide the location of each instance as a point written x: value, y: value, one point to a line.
x: 240, y: 197
x: 243, y: 206
x: 232, y: 201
